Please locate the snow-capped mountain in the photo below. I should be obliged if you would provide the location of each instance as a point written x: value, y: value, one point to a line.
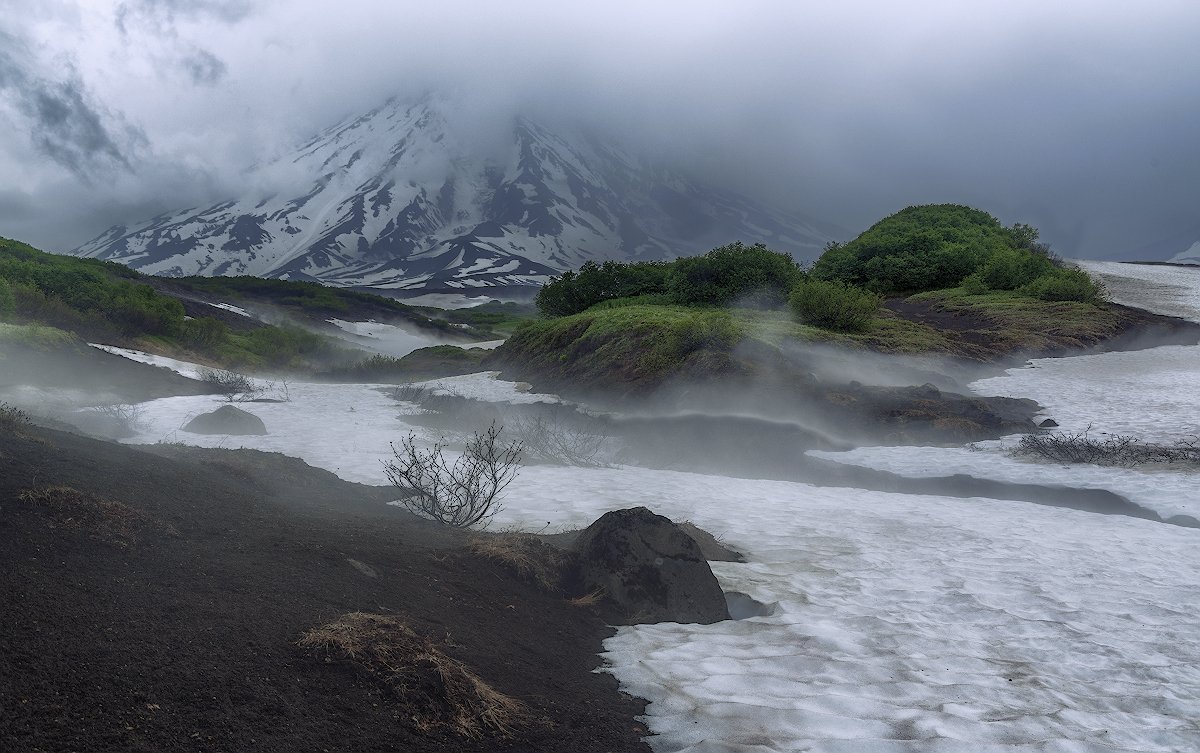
x: 1190, y: 255
x: 398, y: 199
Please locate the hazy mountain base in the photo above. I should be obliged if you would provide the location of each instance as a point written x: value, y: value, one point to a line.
x: 155, y: 598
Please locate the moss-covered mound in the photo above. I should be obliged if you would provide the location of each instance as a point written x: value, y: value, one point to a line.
x: 627, y: 349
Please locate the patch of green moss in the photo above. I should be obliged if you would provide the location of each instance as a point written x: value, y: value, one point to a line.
x: 1019, y: 322
x: 36, y: 335
x: 628, y: 344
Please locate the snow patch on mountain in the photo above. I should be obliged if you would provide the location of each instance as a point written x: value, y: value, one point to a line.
x: 1189, y: 256
x: 399, y: 198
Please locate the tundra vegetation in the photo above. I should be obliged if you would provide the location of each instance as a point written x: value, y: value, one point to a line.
x: 98, y: 300
x: 892, y: 289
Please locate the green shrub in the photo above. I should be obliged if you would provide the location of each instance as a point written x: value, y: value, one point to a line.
x: 649, y: 299
x: 203, y: 333
x: 736, y: 273
x: 1009, y: 269
x: 91, y: 297
x: 833, y: 305
x: 7, y: 302
x: 1065, y: 284
x: 711, y: 330
x: 573, y: 292
x: 36, y: 336
x: 282, y: 345
x: 921, y: 248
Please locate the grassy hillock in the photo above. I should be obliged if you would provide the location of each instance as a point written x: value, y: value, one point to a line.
x: 97, y: 300
x: 940, y: 279
x: 636, y: 345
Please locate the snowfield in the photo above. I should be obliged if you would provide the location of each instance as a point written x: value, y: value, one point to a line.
x: 901, y: 623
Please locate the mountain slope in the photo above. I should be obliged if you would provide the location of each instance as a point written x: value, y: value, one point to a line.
x: 398, y: 198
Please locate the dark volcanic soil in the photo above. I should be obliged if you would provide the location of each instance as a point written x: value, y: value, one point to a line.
x: 168, y: 622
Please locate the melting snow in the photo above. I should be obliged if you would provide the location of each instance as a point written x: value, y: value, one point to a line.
x: 231, y: 307
x: 903, y: 623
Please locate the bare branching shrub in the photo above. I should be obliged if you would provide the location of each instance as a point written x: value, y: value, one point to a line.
x: 118, y: 420
x: 559, y: 439
x: 442, y: 692
x: 1113, y: 449
x: 526, y: 556
x: 462, y: 493
x: 234, y: 386
x: 12, y: 417
x: 408, y: 393
x: 447, y: 402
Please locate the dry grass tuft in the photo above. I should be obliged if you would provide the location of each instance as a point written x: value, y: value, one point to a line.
x: 441, y: 691
x: 111, y: 522
x: 525, y: 555
x: 590, y: 599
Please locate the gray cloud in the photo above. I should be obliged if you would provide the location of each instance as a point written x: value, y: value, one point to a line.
x: 203, y: 67
x: 63, y: 123
x: 163, y: 14
x: 1075, y: 116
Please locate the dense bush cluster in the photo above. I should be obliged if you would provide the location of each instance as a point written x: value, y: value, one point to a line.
x: 104, y: 300
x: 734, y: 274
x: 919, y: 249
x: 82, y: 294
x: 572, y: 292
x: 833, y: 305
x: 731, y: 274
x: 941, y: 246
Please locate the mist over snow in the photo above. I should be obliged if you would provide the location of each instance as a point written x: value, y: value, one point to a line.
x: 893, y: 622
x: 1075, y: 117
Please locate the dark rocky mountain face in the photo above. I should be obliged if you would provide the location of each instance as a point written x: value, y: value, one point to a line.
x: 395, y: 199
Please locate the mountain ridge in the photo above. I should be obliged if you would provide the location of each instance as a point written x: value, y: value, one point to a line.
x: 399, y: 199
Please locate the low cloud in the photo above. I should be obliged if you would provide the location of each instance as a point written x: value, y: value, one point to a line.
x: 1074, y: 117
x: 62, y: 121
x: 203, y: 67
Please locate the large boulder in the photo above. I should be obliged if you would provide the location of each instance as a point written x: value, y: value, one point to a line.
x: 649, y: 569
x: 226, y: 420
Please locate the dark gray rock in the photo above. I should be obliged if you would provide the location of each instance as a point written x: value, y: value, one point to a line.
x: 1049, y: 423
x: 712, y: 549
x: 649, y: 569
x: 226, y: 420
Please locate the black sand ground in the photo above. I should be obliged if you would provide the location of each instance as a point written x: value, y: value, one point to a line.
x: 169, y: 622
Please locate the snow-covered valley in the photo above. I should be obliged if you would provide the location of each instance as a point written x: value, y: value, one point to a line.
x: 900, y: 622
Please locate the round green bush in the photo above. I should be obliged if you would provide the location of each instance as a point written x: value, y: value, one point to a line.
x: 1065, y: 284
x: 834, y: 305
x: 734, y: 274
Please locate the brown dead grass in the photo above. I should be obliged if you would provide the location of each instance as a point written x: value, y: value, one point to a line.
x: 439, y: 691
x: 590, y: 599
x: 526, y: 556
x: 105, y: 520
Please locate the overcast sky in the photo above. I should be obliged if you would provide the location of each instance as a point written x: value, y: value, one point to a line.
x: 1078, y: 117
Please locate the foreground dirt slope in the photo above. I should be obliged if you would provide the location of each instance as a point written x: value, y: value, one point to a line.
x: 168, y: 621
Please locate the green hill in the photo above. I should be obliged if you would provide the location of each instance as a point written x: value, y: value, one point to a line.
x: 943, y: 280
x: 102, y: 301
